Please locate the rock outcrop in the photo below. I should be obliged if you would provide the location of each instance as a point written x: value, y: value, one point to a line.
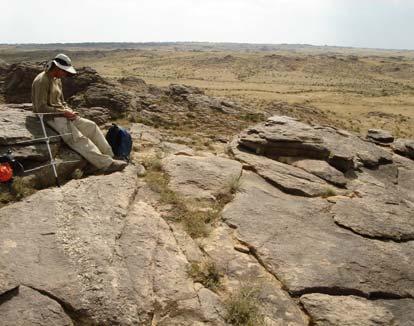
x: 18, y: 79
x: 404, y: 147
x: 287, y: 137
x: 18, y: 129
x: 335, y: 239
x: 170, y: 106
x: 317, y: 220
x: 103, y: 259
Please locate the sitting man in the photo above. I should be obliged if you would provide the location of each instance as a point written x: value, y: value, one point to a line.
x: 86, y: 138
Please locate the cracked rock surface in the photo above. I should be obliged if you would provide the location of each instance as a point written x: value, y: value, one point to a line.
x: 105, y: 259
x: 318, y: 220
x: 329, y: 310
x: 26, y: 306
x: 298, y: 240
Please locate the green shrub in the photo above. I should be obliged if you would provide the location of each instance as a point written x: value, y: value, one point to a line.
x: 243, y: 307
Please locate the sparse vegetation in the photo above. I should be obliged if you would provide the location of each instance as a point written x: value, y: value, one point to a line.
x: 21, y: 187
x: 329, y: 192
x: 196, y: 222
x: 355, y: 89
x: 205, y: 273
x: 243, y: 307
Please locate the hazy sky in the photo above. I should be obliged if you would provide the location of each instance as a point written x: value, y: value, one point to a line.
x: 360, y: 23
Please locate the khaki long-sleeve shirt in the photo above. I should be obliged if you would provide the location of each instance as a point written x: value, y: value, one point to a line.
x: 47, y: 94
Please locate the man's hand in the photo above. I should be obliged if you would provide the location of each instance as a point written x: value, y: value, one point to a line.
x: 70, y: 115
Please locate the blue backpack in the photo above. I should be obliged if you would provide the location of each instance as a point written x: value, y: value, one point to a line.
x: 120, y: 141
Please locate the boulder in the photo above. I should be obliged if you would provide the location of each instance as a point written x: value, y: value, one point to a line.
x: 133, y: 82
x: 329, y: 310
x: 179, y: 90
x: 287, y: 137
x: 298, y: 241
x: 380, y: 136
x: 201, y: 178
x: 19, y: 78
x: 145, y: 135
x: 17, y: 125
x: 288, y: 178
x: 84, y: 78
x: 323, y: 170
x: 404, y: 147
x: 20, y: 125
x: 18, y: 82
x: 108, y: 96
x: 98, y: 115
x: 107, y: 259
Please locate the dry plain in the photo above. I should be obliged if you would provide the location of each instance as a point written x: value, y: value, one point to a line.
x: 356, y: 89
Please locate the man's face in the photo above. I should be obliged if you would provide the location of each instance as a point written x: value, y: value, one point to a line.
x: 61, y: 73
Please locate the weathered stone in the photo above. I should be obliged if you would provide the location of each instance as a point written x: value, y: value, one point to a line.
x: 404, y: 147
x: 284, y: 136
x: 108, y: 96
x: 175, y: 89
x: 145, y: 135
x: 299, y: 242
x: 158, y: 269
x: 133, y: 81
x: 18, y: 82
x: 18, y: 125
x: 109, y: 259
x: 29, y: 307
x: 201, y: 178
x: 402, y: 310
x: 383, y: 209
x: 288, y: 178
x: 323, y: 170
x: 242, y: 269
x: 19, y: 78
x: 375, y: 218
x: 187, y: 244
x: 84, y: 78
x: 380, y: 136
x: 176, y: 149
x: 328, y: 310
x: 97, y: 114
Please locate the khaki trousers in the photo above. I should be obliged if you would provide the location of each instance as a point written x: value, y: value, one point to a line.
x: 86, y: 139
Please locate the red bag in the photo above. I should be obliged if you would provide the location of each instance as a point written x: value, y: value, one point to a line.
x: 6, y: 172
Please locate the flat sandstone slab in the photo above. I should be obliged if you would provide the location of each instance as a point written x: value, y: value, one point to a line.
x: 297, y: 239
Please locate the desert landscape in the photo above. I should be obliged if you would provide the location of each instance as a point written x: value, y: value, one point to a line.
x: 356, y: 89
x: 268, y: 185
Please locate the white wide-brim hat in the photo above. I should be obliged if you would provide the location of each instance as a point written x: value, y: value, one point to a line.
x: 62, y: 61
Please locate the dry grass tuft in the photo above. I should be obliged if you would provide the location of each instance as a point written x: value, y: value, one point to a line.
x: 205, y: 273
x: 243, y: 307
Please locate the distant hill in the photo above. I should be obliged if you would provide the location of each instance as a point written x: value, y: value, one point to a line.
x: 188, y: 46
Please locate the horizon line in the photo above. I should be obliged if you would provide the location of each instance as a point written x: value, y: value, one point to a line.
x: 203, y: 42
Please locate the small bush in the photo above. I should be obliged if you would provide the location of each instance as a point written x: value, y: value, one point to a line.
x: 205, y: 273
x: 242, y: 308
x: 196, y: 224
x: 329, y: 192
x: 22, y: 187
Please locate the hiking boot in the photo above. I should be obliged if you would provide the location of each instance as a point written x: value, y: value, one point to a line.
x: 116, y: 165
